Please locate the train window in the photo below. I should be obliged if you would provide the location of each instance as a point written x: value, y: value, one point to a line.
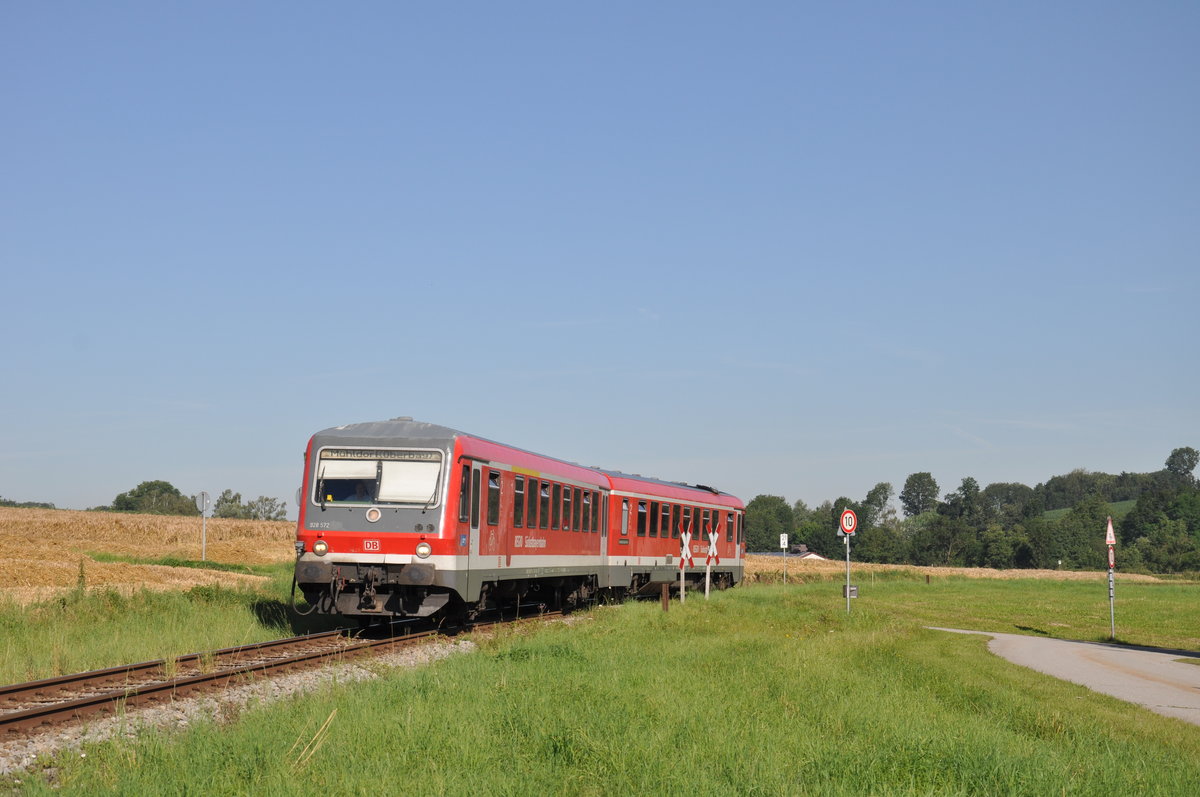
x: 587, y: 511
x: 728, y: 527
x: 464, y: 495
x: 390, y: 476
x: 566, y: 509
x: 556, y: 507
x: 654, y: 518
x: 707, y: 523
x: 519, y: 501
x: 641, y: 519
x: 545, y: 495
x: 475, y: 499
x: 687, y: 519
x: 579, y: 521
x: 493, y: 515
x: 624, y: 517
x: 531, y: 494
x: 741, y: 522
x: 676, y: 517
x: 665, y: 520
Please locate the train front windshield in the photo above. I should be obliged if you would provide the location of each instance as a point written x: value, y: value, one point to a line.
x: 372, y: 476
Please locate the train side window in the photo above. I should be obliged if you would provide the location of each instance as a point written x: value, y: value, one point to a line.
x: 579, y: 521
x: 665, y: 520
x: 641, y: 519
x: 519, y: 501
x: 654, y: 518
x: 676, y: 516
x: 587, y: 511
x: 624, y: 517
x: 707, y: 523
x: 545, y: 518
x: 729, y: 527
x: 493, y: 513
x: 464, y: 495
x: 475, y: 499
x: 598, y: 506
x: 566, y: 509
x: 740, y: 524
x: 556, y: 507
x: 687, y: 520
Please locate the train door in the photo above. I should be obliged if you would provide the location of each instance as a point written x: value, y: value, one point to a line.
x: 468, y: 524
x: 600, y: 508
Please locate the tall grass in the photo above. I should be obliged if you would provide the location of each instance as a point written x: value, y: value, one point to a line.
x: 770, y: 690
x: 88, y: 629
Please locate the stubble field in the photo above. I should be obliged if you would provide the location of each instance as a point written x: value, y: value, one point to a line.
x: 45, y: 553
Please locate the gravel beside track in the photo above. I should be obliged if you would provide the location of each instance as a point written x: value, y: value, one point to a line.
x: 22, y: 754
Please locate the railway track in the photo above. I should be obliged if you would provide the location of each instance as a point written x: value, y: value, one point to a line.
x: 27, y: 707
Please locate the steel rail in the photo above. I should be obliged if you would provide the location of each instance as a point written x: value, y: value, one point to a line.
x: 15, y: 693
x: 147, y: 682
x: 53, y: 710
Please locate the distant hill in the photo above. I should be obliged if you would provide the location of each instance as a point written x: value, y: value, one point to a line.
x: 1117, y: 510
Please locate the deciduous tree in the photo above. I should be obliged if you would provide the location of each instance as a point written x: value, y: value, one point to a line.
x: 919, y: 494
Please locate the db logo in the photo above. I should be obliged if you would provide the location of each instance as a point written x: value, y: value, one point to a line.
x: 370, y: 545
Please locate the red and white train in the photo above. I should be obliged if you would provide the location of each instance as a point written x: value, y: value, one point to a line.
x: 407, y: 519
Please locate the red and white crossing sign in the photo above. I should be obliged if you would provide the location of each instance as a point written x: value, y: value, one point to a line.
x: 1109, y: 537
x: 849, y: 522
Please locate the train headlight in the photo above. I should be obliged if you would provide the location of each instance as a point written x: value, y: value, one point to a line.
x: 320, y: 547
x: 423, y: 550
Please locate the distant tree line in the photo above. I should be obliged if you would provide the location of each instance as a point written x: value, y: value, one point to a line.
x: 1006, y: 525
x: 24, y: 504
x: 163, y: 498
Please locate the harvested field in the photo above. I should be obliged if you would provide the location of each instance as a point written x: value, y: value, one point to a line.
x: 770, y: 568
x: 44, y: 551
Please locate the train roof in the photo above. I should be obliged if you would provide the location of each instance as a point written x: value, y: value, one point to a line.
x: 630, y: 481
x: 371, y: 433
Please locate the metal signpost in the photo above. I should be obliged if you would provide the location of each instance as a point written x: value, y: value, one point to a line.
x: 685, y: 561
x: 1110, y: 540
x: 203, y: 503
x: 846, y: 528
x: 708, y: 562
x: 783, y: 545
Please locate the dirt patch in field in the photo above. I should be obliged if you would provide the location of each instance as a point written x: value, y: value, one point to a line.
x: 770, y: 568
x: 44, y: 552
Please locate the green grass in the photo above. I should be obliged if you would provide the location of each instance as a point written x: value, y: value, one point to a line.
x: 1155, y: 614
x: 1117, y: 509
x: 171, y: 561
x: 763, y: 690
x: 95, y: 628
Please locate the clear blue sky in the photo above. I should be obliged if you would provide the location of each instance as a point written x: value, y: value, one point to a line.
x: 787, y: 248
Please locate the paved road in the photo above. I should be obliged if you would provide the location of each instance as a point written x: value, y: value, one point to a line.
x: 1151, y: 677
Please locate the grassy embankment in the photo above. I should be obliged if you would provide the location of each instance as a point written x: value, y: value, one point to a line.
x: 761, y: 690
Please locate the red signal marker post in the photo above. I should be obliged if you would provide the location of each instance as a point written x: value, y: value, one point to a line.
x: 846, y: 528
x: 1110, y: 540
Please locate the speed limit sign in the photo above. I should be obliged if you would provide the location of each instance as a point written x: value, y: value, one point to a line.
x: 849, y: 522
